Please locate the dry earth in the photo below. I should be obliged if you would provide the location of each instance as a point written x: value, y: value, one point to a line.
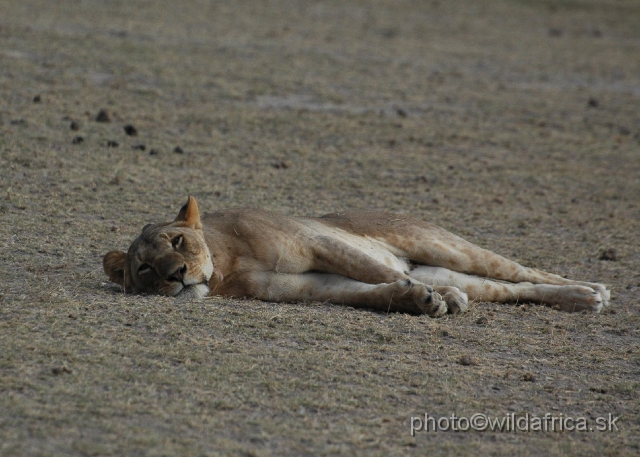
x: 515, y: 124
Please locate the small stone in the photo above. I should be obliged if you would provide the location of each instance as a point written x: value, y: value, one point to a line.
x: 61, y: 370
x: 528, y: 377
x: 115, y: 229
x: 178, y: 150
x: 77, y: 140
x: 103, y: 116
x: 130, y: 130
x: 467, y: 360
x: 37, y: 99
x: 389, y: 33
x: 555, y: 32
x: 139, y: 147
x: 482, y: 321
x: 74, y: 126
x: 609, y: 254
x: 153, y: 152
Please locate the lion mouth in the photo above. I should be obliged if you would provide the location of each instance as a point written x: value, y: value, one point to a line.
x: 199, y: 290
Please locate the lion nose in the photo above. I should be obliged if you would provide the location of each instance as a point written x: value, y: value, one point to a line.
x: 178, y: 275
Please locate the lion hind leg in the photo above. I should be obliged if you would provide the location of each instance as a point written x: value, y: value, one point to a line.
x: 570, y: 297
x: 438, y: 248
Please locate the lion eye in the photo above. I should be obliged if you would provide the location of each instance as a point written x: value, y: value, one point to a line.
x: 144, y: 268
x: 177, y: 241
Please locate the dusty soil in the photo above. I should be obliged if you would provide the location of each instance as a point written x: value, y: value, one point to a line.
x: 514, y: 124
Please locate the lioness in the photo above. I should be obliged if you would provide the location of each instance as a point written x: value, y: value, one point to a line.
x: 360, y: 258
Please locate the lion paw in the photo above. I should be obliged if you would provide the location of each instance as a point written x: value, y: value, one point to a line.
x: 414, y: 293
x: 581, y: 298
x: 436, y: 306
x: 605, y: 293
x: 429, y: 301
x: 457, y: 301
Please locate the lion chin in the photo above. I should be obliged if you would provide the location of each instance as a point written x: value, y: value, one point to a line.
x: 193, y: 291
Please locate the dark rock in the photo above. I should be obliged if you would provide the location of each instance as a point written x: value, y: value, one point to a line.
x: 103, y: 116
x: 609, y: 254
x: 130, y: 130
x: 467, y: 360
x: 61, y: 370
x: 529, y: 377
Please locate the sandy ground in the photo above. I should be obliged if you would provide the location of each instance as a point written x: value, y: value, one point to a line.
x: 513, y: 124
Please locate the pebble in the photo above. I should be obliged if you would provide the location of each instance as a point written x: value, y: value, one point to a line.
x: 467, y: 360
x: 103, y: 116
x: 609, y: 254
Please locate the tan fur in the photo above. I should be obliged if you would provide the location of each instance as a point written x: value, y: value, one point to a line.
x: 362, y: 258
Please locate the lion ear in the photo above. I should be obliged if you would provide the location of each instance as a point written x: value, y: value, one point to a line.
x: 189, y: 214
x: 115, y: 266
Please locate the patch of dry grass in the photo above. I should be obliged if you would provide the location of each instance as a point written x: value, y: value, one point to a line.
x: 514, y: 125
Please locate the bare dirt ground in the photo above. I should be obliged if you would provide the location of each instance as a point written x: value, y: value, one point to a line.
x: 515, y: 124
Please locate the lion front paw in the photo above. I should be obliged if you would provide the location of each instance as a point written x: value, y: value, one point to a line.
x: 410, y: 293
x: 457, y: 301
x: 427, y: 300
x: 435, y: 306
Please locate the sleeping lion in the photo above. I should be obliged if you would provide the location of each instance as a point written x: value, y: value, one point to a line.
x: 360, y: 258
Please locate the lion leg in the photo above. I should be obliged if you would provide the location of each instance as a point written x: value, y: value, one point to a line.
x: 335, y: 257
x: 436, y: 247
x: 570, y: 297
x: 405, y: 295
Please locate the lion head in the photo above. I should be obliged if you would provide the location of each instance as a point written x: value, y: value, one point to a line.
x: 170, y: 258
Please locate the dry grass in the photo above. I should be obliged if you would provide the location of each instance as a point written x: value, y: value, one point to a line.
x: 513, y: 124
